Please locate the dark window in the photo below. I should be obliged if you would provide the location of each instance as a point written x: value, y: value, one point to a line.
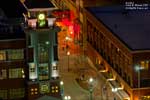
x: 55, y: 53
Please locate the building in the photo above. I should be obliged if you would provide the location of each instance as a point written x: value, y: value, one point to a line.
x: 13, y: 66
x: 118, y: 45
x: 41, y: 34
x: 114, y: 52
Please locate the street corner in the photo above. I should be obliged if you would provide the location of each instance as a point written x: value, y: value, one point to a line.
x: 83, y: 79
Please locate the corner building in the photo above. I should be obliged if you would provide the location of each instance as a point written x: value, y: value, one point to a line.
x: 41, y: 33
x: 118, y: 45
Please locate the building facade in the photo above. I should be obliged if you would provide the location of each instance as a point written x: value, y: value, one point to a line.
x: 123, y: 64
x: 41, y: 34
x: 13, y: 66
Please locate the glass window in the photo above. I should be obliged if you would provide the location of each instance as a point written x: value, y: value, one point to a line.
x: 3, y: 74
x: 3, y: 94
x: 16, y: 73
x: 43, y: 71
x: 2, y: 55
x: 32, y: 71
x: 43, y: 54
x: 144, y: 64
x: 44, y: 88
x: 15, y: 54
x: 16, y: 93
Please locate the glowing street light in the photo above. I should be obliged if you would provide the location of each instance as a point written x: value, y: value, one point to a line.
x: 67, y: 97
x: 62, y: 88
x: 68, y: 54
x: 91, y: 88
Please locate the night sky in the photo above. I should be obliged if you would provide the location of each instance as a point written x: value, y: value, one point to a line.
x: 12, y: 8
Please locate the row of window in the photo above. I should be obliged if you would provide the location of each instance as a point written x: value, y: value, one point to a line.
x: 113, y: 55
x: 13, y: 54
x: 13, y: 73
x: 13, y: 93
x: 109, y: 52
x: 44, y: 88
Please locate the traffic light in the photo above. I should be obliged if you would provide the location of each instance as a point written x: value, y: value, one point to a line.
x: 42, y: 21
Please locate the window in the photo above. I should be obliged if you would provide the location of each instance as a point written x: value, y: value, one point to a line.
x: 16, y: 93
x: 3, y: 74
x: 43, y: 54
x: 144, y: 64
x: 55, y: 53
x: 34, y: 91
x: 3, y: 94
x: 54, y: 89
x: 44, y: 88
x: 43, y: 71
x: 2, y: 55
x: 15, y: 54
x: 16, y: 73
x: 32, y: 71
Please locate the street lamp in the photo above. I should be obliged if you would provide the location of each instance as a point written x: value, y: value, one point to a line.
x: 67, y: 98
x: 62, y: 88
x: 68, y: 53
x: 67, y: 39
x: 91, y: 88
x: 138, y: 69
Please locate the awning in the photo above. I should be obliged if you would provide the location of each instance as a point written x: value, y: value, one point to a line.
x: 47, y: 98
x: 106, y: 75
x: 123, y: 94
x: 115, y: 84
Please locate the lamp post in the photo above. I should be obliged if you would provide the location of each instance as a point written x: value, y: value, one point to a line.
x: 67, y: 98
x: 68, y: 54
x: 138, y: 69
x: 91, y: 88
x: 67, y: 39
x: 62, y: 88
x: 114, y: 90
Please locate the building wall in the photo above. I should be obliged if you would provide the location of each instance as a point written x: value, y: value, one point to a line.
x: 12, y: 69
x: 117, y: 55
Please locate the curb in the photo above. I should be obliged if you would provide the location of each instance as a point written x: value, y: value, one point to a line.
x: 80, y: 86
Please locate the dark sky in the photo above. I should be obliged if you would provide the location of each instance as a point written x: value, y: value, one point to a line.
x: 12, y: 8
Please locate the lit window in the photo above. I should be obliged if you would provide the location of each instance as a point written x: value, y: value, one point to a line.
x: 54, y: 89
x: 34, y: 91
x: 16, y: 73
x: 3, y: 93
x: 43, y: 71
x: 3, y: 74
x: 44, y: 88
x: 32, y: 71
x: 2, y: 55
x: 16, y: 54
x: 17, y: 93
x: 144, y: 64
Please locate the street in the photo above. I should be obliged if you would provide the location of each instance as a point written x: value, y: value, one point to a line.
x: 73, y: 66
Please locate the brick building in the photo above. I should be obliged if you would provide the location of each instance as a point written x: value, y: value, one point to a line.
x: 13, y: 66
x: 119, y: 48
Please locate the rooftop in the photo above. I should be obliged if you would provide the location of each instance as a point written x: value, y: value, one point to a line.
x: 38, y: 4
x: 130, y: 26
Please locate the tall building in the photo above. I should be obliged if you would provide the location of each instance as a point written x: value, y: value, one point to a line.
x: 41, y: 34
